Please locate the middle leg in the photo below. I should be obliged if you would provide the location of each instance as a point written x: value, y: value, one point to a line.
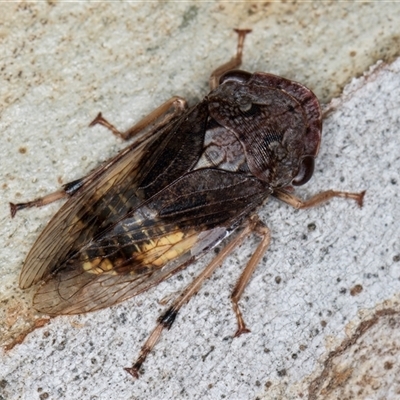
x: 262, y: 230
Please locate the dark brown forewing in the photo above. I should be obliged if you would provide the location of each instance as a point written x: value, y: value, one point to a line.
x: 97, y: 205
x: 209, y: 197
x: 80, y: 216
x: 75, y: 291
x: 152, y: 243
x: 172, y: 155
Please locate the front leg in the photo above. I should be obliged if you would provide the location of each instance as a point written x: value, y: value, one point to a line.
x: 317, y: 199
x: 233, y: 63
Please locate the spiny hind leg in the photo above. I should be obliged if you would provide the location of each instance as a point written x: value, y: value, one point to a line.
x: 150, y: 124
x: 166, y: 320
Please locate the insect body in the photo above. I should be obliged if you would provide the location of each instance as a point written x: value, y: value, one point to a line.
x: 191, y: 177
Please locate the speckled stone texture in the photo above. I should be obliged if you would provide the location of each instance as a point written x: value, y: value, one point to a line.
x: 327, y: 290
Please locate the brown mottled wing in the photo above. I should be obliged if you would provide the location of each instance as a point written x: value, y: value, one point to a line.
x: 80, y: 216
x: 74, y: 290
x: 112, y: 192
x: 153, y: 242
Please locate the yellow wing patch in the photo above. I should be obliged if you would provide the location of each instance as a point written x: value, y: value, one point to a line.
x: 99, y: 266
x: 162, y: 250
x: 154, y: 253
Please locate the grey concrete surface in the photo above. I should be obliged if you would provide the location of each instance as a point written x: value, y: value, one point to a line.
x: 331, y: 273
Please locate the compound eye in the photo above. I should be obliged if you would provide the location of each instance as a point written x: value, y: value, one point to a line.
x: 235, y: 76
x: 305, y: 172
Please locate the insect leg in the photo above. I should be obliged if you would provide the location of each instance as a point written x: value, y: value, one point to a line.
x: 42, y: 201
x: 67, y: 190
x: 233, y: 63
x: 316, y: 199
x: 158, y: 118
x: 167, y: 318
x: 261, y: 229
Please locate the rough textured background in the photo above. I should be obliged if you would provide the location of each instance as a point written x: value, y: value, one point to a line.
x: 323, y: 304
